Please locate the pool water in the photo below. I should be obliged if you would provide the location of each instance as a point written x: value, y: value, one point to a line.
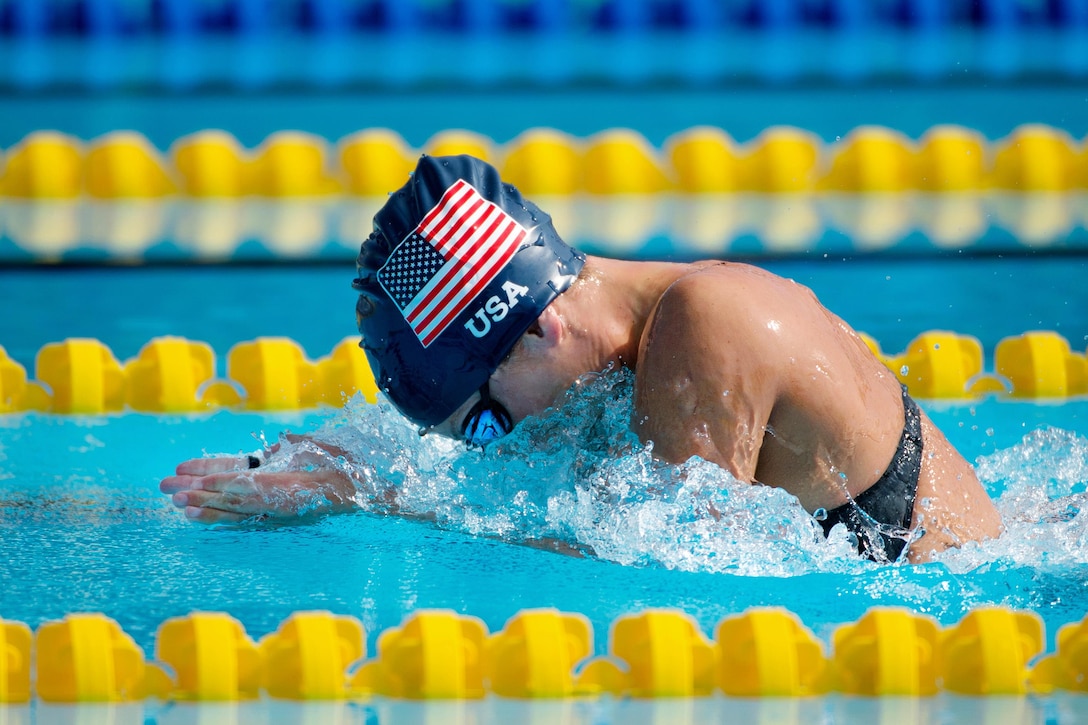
x: 85, y: 528
x: 828, y: 110
x: 893, y: 299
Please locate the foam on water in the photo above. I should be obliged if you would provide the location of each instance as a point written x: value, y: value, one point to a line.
x: 1040, y: 488
x: 577, y: 479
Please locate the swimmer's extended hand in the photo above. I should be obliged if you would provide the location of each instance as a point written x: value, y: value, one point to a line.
x: 226, y: 489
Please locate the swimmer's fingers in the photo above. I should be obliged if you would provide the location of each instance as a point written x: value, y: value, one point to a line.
x: 228, y: 503
x: 251, y: 481
x: 189, y: 472
x: 214, y: 516
x: 217, y: 464
x: 279, y: 493
x: 173, y: 484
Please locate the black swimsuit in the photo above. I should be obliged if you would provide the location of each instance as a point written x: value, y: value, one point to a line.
x: 881, y: 516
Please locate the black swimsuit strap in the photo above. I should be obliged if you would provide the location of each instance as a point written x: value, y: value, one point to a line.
x: 881, y: 516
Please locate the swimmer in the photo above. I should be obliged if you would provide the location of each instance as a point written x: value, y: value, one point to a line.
x: 474, y: 315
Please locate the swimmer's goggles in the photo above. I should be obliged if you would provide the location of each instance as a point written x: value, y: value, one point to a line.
x: 486, y: 421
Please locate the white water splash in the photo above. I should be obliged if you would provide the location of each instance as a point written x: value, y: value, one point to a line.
x: 1041, y: 485
x: 576, y: 478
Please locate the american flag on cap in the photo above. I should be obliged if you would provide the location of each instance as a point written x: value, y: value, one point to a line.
x: 458, y: 248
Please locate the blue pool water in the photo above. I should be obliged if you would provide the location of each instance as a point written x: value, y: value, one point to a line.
x: 743, y: 111
x: 85, y: 528
x: 893, y: 300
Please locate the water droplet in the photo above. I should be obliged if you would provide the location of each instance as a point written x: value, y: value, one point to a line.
x: 904, y: 369
x: 820, y: 514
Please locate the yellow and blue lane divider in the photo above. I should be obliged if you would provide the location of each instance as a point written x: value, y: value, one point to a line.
x: 175, y: 375
x: 298, y: 196
x: 545, y: 161
x: 542, y: 654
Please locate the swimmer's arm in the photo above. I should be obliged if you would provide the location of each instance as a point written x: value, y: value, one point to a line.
x: 707, y: 380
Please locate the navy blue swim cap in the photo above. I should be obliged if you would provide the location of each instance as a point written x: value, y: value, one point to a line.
x: 458, y: 267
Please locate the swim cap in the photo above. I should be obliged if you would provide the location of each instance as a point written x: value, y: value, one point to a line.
x: 458, y: 267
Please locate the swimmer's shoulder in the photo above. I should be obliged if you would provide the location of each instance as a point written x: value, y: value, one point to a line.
x: 698, y: 300
x: 705, y: 337
x: 711, y: 286
x: 718, y: 305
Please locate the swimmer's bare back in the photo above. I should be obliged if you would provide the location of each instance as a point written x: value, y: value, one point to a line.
x: 748, y: 370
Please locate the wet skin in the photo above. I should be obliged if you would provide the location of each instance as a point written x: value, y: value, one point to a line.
x: 785, y: 393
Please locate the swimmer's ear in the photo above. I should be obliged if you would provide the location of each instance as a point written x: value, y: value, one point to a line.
x: 546, y: 332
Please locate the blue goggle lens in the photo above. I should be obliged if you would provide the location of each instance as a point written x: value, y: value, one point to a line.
x: 485, y: 427
x: 487, y: 421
